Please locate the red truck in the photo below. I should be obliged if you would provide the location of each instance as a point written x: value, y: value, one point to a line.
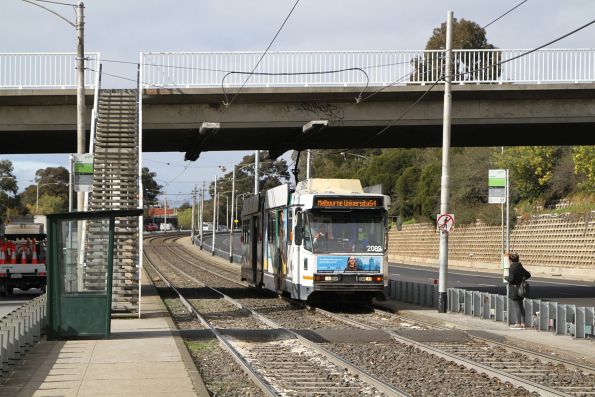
x: 23, y: 258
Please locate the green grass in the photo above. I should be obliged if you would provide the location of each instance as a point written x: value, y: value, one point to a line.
x: 200, y: 346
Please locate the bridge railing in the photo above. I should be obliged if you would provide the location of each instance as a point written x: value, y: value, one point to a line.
x: 377, y: 68
x: 44, y: 70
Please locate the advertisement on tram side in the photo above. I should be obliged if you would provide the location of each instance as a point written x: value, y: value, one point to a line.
x: 349, y: 263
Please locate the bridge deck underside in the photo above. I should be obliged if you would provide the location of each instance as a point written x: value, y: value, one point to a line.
x: 272, y: 118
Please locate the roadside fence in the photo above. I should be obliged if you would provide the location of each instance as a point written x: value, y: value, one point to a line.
x: 560, y: 319
x: 20, y: 330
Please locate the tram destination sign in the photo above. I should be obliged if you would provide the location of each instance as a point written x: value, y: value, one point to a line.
x: 348, y: 202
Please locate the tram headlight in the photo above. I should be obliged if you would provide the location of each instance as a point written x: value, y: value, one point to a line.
x: 326, y: 278
x: 369, y: 279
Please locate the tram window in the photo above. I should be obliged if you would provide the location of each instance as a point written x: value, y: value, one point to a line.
x: 246, y: 231
x: 345, y: 232
x: 271, y: 227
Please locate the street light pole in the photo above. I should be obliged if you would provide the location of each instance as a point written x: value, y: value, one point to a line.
x: 80, y: 90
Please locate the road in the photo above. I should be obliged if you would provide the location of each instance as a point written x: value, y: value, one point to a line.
x: 9, y: 303
x: 580, y: 293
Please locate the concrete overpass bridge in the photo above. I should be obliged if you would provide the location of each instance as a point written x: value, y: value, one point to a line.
x: 373, y: 99
x: 499, y: 98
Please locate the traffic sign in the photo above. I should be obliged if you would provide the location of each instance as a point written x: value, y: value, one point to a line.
x: 445, y: 222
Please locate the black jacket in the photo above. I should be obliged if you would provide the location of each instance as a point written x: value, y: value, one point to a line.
x: 516, y: 274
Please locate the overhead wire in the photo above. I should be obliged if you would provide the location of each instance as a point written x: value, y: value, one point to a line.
x: 425, y: 93
x: 526, y: 52
x: 51, y: 2
x: 264, y: 53
x: 506, y: 13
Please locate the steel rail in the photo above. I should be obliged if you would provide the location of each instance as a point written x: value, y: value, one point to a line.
x: 470, y: 364
x: 519, y: 349
x: 248, y: 369
x: 171, y: 250
x: 332, y: 357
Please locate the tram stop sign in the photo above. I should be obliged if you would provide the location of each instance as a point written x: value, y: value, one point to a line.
x: 445, y: 222
x: 497, y: 186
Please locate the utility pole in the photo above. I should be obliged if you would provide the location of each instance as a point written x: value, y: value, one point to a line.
x: 308, y: 165
x: 202, y: 211
x: 80, y: 90
x: 214, y: 215
x: 444, y: 188
x: 192, y: 221
x: 256, y: 166
x: 165, y: 212
x: 233, y: 217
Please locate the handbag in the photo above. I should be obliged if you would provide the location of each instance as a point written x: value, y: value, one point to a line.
x: 523, y: 290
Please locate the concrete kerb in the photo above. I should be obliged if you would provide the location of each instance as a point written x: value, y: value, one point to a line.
x: 193, y: 373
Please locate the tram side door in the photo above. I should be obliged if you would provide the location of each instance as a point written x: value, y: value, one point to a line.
x: 257, y: 249
x: 281, y: 249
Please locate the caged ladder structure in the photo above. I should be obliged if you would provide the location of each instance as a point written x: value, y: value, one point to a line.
x: 116, y: 187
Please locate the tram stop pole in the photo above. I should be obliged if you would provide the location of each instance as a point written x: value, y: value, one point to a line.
x: 444, y: 191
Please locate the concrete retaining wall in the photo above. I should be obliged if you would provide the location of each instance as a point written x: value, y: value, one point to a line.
x: 550, y: 245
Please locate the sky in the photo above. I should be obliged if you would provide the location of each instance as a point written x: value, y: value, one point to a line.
x: 121, y: 29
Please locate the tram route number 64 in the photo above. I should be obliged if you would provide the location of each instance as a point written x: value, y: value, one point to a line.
x: 373, y: 248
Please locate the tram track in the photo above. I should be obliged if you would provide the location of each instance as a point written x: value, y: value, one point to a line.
x: 403, y: 367
x: 284, y: 363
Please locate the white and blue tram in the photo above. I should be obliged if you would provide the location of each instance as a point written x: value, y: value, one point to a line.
x: 327, y: 240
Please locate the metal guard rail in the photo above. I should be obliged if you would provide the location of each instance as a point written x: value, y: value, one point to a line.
x: 360, y: 68
x: 219, y: 252
x: 20, y: 330
x: 560, y: 319
x: 45, y: 70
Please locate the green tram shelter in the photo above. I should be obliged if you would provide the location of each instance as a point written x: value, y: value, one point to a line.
x: 80, y: 268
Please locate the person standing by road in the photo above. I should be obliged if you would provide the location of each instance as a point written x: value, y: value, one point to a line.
x: 516, y: 274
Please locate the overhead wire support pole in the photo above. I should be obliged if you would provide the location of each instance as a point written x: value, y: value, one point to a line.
x: 202, y: 208
x: 233, y: 217
x: 256, y: 166
x: 80, y: 90
x: 192, y: 222
x: 214, y: 216
x: 444, y: 191
x: 308, y: 165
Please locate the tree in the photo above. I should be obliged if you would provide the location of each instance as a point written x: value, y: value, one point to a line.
x: 584, y: 166
x: 466, y: 35
x: 531, y: 170
x: 151, y: 189
x: 271, y: 174
x: 185, y: 218
x: 48, y: 204
x: 51, y: 182
x: 185, y: 205
x: 8, y: 187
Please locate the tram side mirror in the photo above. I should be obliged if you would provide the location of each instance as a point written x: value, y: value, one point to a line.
x: 299, y: 226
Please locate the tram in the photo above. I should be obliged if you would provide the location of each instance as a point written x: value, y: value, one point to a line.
x: 327, y: 240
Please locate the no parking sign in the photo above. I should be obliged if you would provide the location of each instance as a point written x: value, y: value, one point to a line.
x: 445, y: 222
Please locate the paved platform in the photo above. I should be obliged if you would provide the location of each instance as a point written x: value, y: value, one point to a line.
x: 561, y: 346
x: 144, y: 357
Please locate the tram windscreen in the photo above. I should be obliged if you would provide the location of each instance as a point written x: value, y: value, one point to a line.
x: 360, y: 231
